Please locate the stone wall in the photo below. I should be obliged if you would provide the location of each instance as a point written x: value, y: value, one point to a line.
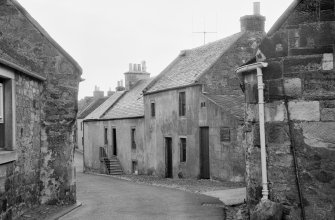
x: 227, y: 158
x: 299, y: 93
x: 221, y: 78
x: 48, y: 134
x: 21, y: 188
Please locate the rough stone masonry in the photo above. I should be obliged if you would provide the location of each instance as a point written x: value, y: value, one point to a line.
x: 46, y: 109
x: 299, y: 113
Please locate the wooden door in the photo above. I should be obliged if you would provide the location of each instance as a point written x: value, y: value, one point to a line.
x: 168, y: 158
x: 204, y: 153
x: 114, y: 141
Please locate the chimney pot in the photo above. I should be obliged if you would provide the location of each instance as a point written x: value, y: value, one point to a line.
x: 144, y: 68
x: 130, y: 67
x: 139, y: 67
x: 135, y: 68
x: 257, y: 8
x: 255, y: 22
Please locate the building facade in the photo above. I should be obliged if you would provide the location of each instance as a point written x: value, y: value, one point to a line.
x: 189, y: 131
x: 299, y: 113
x: 115, y: 130
x: 38, y: 92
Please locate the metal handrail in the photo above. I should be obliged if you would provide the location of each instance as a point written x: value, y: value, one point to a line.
x: 102, y: 153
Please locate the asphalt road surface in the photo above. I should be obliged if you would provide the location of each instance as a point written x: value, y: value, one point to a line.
x: 104, y: 197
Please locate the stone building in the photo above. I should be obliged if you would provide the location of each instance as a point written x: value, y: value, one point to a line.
x: 38, y: 106
x: 296, y: 59
x: 97, y: 99
x: 114, y: 132
x: 194, y: 109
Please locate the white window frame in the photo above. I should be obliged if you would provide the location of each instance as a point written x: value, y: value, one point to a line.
x: 1, y: 103
x: 9, y: 154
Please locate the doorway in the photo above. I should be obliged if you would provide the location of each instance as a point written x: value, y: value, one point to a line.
x: 114, y: 142
x: 204, y: 153
x: 168, y: 158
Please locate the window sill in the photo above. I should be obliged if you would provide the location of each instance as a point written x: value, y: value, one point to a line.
x: 7, y: 156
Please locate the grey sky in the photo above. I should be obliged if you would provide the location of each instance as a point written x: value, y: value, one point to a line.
x: 104, y: 36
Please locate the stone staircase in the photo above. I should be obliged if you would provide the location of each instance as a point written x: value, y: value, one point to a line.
x: 113, y: 166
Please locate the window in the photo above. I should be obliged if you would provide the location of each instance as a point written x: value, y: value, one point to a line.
x: 182, y: 149
x: 134, y: 167
x: 153, y: 110
x: 133, y: 143
x: 7, y: 110
x: 106, y: 136
x: 224, y: 134
x: 182, y: 104
x: 1, y: 103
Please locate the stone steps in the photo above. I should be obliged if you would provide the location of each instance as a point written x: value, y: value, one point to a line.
x: 113, y: 166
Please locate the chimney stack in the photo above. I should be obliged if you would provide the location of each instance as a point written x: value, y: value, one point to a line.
x: 97, y: 94
x: 119, y: 86
x: 255, y: 22
x: 139, y: 72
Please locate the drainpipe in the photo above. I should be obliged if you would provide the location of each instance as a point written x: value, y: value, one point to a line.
x: 258, y: 66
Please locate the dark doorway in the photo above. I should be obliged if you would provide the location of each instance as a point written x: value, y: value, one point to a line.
x: 204, y: 153
x: 168, y: 158
x: 114, y: 141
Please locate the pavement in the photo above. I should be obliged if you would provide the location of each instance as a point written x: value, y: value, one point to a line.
x: 229, y: 196
x: 105, y: 197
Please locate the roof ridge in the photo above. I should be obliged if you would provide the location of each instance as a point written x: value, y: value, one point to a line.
x: 213, y: 42
x: 222, y: 53
x: 160, y: 75
x: 90, y: 105
x: 45, y: 34
x: 113, y: 104
x: 281, y: 20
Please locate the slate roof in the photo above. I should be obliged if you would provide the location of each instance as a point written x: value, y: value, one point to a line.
x: 130, y: 105
x: 91, y: 107
x: 98, y: 112
x: 233, y: 104
x: 191, y: 64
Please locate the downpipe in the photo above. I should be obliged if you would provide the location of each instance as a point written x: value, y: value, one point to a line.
x: 258, y: 66
x: 265, y: 190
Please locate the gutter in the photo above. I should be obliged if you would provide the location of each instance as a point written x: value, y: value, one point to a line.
x: 113, y: 119
x: 172, y: 88
x: 21, y: 69
x: 258, y: 66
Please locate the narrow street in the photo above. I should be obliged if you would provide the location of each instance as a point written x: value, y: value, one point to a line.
x: 104, y: 197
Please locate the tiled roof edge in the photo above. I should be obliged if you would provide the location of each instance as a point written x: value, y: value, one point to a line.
x: 222, y: 53
x: 222, y: 107
x: 281, y: 20
x: 114, y: 103
x: 159, y: 76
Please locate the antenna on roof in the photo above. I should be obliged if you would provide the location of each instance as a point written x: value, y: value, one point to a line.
x: 204, y: 32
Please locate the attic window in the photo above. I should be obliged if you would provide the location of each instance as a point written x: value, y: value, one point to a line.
x: 224, y: 134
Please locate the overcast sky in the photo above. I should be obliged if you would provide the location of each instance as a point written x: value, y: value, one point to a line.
x: 104, y: 36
